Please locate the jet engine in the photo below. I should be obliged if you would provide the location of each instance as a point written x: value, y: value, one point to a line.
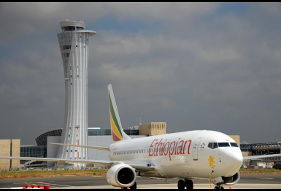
x: 231, y: 180
x: 121, y: 175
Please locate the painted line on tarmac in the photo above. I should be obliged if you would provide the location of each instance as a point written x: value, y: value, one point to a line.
x: 44, y: 183
x: 52, y: 184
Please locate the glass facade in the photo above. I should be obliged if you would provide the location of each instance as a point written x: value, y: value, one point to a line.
x: 100, y: 132
x: 33, y: 151
x: 131, y: 132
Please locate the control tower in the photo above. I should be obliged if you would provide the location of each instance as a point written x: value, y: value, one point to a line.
x: 74, y: 41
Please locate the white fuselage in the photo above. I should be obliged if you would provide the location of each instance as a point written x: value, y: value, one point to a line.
x: 184, y: 154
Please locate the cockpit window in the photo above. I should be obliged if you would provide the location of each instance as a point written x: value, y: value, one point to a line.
x: 224, y: 144
x: 233, y: 144
x: 213, y: 145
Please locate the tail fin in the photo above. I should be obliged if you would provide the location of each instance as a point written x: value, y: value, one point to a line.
x: 117, y: 131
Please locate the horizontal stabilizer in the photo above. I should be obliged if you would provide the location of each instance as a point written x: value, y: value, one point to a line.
x: 83, y: 146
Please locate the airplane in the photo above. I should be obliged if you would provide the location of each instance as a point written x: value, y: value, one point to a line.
x: 184, y: 155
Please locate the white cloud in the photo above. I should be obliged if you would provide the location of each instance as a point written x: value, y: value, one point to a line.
x: 25, y: 18
x: 164, y: 12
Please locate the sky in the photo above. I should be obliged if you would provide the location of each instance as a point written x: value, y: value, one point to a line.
x: 214, y: 66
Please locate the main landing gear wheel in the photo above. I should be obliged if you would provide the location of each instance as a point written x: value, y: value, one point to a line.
x: 188, y: 184
x: 182, y: 184
x: 134, y: 186
x: 219, y: 187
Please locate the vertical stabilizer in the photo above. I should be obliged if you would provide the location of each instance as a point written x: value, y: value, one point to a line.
x: 117, y: 131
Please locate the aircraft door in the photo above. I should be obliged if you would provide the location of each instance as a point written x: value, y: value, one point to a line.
x: 195, y: 148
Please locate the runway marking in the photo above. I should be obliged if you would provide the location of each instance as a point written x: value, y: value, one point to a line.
x: 52, y: 184
x: 21, y: 183
x: 266, y: 178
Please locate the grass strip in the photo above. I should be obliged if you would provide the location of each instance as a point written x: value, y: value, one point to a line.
x: 49, y: 173
x: 95, y: 172
x: 260, y: 171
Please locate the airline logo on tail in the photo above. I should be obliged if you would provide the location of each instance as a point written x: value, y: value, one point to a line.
x: 117, y: 131
x: 115, y: 128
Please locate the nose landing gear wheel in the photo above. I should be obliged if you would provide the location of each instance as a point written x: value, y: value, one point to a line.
x: 188, y: 184
x: 182, y: 184
x: 218, y: 187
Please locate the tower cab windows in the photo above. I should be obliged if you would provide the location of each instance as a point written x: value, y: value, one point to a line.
x: 72, y: 28
x: 69, y: 28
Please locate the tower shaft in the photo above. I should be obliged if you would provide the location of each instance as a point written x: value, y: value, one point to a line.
x: 74, y: 41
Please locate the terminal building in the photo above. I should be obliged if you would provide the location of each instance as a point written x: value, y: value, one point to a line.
x: 9, y: 147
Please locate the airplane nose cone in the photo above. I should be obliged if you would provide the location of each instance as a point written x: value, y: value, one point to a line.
x: 236, y: 159
x: 233, y: 162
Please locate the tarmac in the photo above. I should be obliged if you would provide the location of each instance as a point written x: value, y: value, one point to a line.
x: 247, y: 181
x: 173, y: 186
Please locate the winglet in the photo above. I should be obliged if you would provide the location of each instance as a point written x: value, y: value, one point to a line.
x: 117, y: 131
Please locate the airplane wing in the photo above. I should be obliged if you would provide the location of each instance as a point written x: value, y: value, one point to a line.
x: 142, y: 166
x: 137, y: 165
x: 260, y: 156
x: 83, y: 146
x: 85, y: 161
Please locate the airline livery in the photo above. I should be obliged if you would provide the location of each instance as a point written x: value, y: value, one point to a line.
x: 185, y: 155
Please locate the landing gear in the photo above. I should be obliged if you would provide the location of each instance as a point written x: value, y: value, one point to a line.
x: 189, y: 184
x: 219, y: 187
x: 182, y: 184
x: 133, y: 187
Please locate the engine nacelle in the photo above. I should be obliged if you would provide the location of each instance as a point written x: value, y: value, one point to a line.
x: 231, y: 180
x: 121, y: 175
